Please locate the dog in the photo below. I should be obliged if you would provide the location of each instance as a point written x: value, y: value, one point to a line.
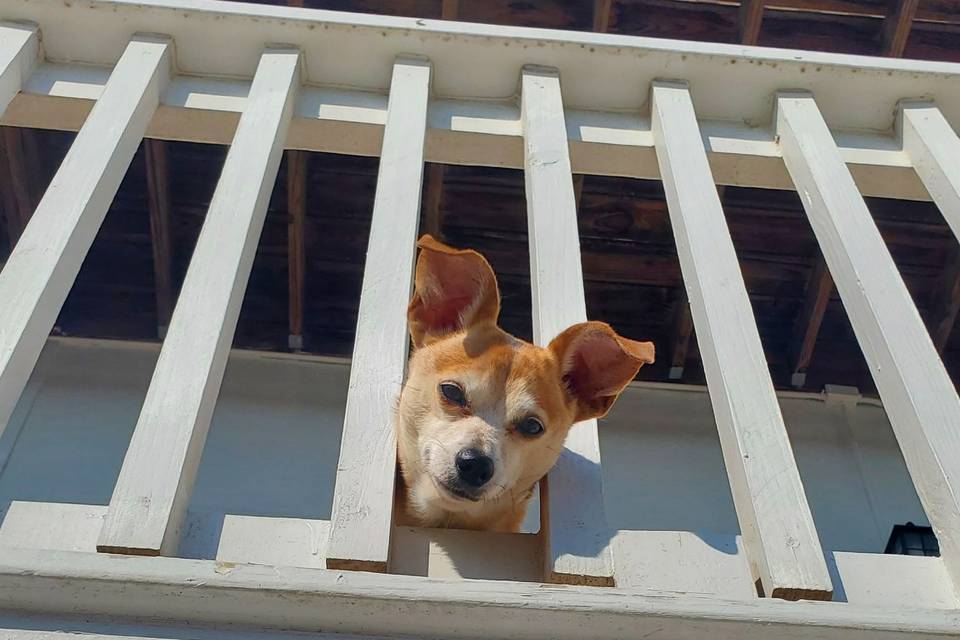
x: 483, y: 415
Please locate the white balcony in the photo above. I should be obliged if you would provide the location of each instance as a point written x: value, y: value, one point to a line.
x: 169, y: 490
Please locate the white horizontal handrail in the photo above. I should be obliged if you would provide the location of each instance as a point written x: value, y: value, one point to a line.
x: 728, y: 82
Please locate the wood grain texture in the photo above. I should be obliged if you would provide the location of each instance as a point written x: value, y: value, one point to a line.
x: 933, y: 147
x: 918, y: 395
x: 897, y: 26
x: 19, y: 52
x: 449, y: 9
x: 433, y: 205
x: 284, y: 542
x: 156, y: 480
x: 20, y: 148
x: 19, y: 55
x: 601, y: 15
x: 807, y: 326
x: 52, y: 526
x: 749, y: 21
x: 362, y: 514
x: 296, y: 244
x: 945, y: 303
x: 41, y: 269
x: 166, y: 590
x: 682, y: 333
x: 576, y: 538
x: 158, y: 201
x: 778, y: 530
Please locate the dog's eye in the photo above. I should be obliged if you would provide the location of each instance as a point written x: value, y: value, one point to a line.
x: 530, y: 427
x: 453, y: 392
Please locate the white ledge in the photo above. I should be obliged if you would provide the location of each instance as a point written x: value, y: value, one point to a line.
x: 471, y: 132
x: 600, y: 71
x: 207, y: 592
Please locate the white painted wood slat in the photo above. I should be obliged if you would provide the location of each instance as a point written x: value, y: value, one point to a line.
x: 920, y: 400
x: 934, y: 150
x: 19, y: 54
x: 44, y: 263
x: 576, y: 537
x: 156, y: 480
x: 362, y: 516
x: 210, y: 594
x: 778, y: 530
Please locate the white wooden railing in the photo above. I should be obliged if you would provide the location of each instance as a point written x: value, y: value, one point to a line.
x: 833, y: 127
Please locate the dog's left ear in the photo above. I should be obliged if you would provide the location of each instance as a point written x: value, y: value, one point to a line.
x: 597, y: 364
x: 455, y: 289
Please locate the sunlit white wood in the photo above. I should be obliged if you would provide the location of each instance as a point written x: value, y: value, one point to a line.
x: 209, y: 593
x: 919, y: 397
x: 156, y: 480
x: 472, y: 132
x: 285, y: 542
x: 44, y: 263
x: 225, y: 39
x: 683, y: 562
x: 361, y: 520
x: 895, y: 581
x: 934, y: 150
x: 576, y: 537
x: 53, y: 526
x: 778, y: 531
x: 19, y: 54
x: 9, y: 631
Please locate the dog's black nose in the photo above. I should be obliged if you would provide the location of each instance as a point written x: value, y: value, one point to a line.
x: 475, y: 469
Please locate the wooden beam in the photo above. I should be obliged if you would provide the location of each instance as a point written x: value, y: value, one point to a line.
x: 945, y: 304
x: 816, y: 297
x: 682, y: 332
x: 601, y: 15
x: 153, y: 489
x: 41, y: 269
x: 362, y: 515
x: 161, y: 235
x: 749, y: 21
x: 296, y: 247
x: 19, y: 55
x: 67, y: 585
x: 933, y: 148
x: 11, y: 208
x: 21, y: 189
x: 578, y: 179
x: 485, y: 133
x: 778, y: 531
x: 918, y: 395
x: 897, y: 25
x: 577, y: 540
x: 449, y: 10
x: 433, y: 206
x: 23, y: 159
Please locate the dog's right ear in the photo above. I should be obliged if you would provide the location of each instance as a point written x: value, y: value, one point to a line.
x: 455, y: 289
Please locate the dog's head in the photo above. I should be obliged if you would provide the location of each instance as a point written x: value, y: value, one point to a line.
x: 484, y: 415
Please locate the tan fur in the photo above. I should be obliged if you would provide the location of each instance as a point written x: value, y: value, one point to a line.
x: 453, y: 326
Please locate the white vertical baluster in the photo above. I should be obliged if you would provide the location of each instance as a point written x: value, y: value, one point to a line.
x: 917, y: 393
x: 577, y: 538
x: 362, y: 517
x: 19, y: 53
x: 934, y: 150
x: 41, y: 269
x: 156, y: 480
x: 778, y: 530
